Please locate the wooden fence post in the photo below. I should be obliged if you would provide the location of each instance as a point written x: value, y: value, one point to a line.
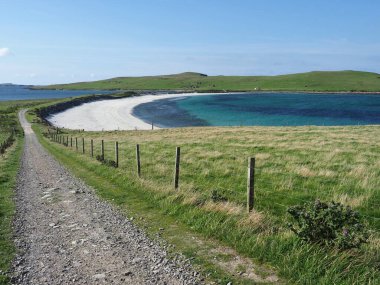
x: 102, y: 150
x: 92, y: 148
x: 152, y: 126
x: 177, y: 161
x: 117, y: 154
x: 71, y: 142
x: 251, y: 184
x: 82, y: 145
x: 138, y: 160
x: 67, y: 141
x: 76, y: 144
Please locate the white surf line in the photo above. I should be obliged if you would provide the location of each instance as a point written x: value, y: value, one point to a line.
x: 109, y: 115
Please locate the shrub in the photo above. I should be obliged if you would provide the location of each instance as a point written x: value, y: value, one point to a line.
x: 217, y: 197
x: 331, y: 224
x: 7, y: 143
x: 108, y: 162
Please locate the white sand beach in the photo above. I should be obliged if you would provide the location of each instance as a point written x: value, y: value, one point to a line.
x: 109, y: 115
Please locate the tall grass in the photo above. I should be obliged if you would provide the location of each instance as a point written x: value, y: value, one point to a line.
x: 9, y: 164
x: 293, y: 165
x: 10, y: 154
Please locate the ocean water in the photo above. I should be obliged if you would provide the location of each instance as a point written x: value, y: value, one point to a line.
x: 20, y: 92
x: 263, y: 109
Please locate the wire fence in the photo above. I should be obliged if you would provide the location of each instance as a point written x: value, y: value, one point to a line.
x: 269, y: 194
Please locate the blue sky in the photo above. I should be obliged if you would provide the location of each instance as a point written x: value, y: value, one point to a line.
x: 51, y: 41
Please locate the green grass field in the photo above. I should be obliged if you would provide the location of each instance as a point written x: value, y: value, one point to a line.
x: 312, y: 81
x: 293, y: 165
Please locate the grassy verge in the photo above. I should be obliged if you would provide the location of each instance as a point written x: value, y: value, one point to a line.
x: 9, y: 165
x: 294, y: 165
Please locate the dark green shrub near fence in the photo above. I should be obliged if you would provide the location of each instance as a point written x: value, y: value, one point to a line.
x: 108, y: 162
x: 331, y: 224
x: 8, y: 125
x: 217, y: 197
x: 7, y: 143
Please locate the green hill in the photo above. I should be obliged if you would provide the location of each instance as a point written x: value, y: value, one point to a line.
x: 191, y: 81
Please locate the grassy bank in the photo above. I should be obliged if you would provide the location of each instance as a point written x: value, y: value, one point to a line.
x: 319, y: 81
x: 293, y: 165
x: 9, y: 164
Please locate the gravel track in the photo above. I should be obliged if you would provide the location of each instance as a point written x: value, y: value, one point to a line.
x: 64, y: 234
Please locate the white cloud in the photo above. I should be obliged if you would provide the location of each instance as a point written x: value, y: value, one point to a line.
x: 4, y: 52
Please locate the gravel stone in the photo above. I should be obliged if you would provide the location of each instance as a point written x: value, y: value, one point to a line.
x: 65, y: 234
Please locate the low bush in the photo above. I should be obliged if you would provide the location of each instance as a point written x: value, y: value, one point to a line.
x: 108, y: 162
x: 331, y: 224
x: 217, y: 197
x: 7, y: 143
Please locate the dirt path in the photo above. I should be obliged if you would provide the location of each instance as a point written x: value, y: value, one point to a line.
x: 66, y: 235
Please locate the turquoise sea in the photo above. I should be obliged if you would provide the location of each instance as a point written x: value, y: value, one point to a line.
x: 263, y: 109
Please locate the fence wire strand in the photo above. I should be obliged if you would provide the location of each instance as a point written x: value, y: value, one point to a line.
x: 261, y: 182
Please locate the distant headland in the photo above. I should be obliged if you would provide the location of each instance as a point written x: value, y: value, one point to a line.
x: 315, y: 81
